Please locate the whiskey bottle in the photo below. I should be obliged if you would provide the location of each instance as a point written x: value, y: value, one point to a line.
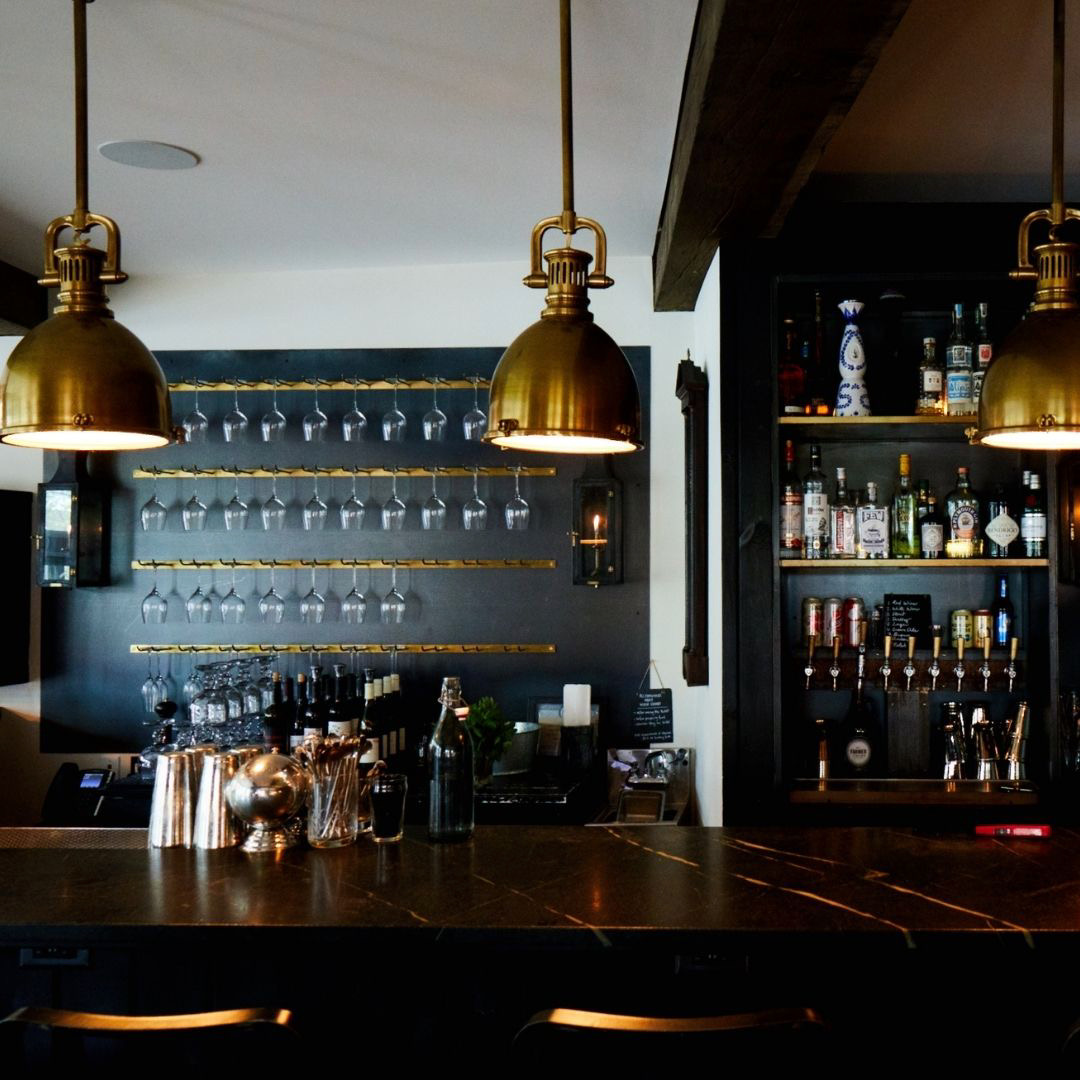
x: 815, y: 510
x: 842, y: 520
x: 958, y: 368
x: 860, y: 740
x: 871, y: 527
x: 1033, y: 520
x: 932, y: 531
x: 819, y: 391
x: 791, y: 506
x: 962, y: 511
x: 1001, y: 527
x: 931, y: 399
x: 905, y: 537
x: 984, y: 353
x: 791, y: 374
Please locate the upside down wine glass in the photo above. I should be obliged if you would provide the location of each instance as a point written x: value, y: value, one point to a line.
x: 233, y: 604
x: 354, y: 422
x: 351, y: 510
x: 435, y: 421
x: 274, y: 422
x: 393, y: 511
x: 474, y: 512
x: 236, y: 510
x: 194, y: 512
x: 354, y: 606
x: 392, y: 608
x: 234, y: 426
x: 154, y: 606
x: 516, y: 511
x: 154, y: 513
x: 313, y: 605
x: 394, y: 422
x: 474, y: 422
x: 316, y: 421
x: 433, y: 512
x: 273, y: 510
x: 272, y: 606
x: 195, y: 424
x: 315, y: 510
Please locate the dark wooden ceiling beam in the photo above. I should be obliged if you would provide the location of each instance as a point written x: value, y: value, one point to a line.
x: 767, y: 84
x: 22, y: 300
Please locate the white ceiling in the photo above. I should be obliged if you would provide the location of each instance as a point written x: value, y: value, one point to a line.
x: 958, y: 107
x: 339, y: 133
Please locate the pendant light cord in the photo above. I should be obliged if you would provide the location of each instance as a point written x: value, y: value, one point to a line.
x: 567, y: 117
x: 1057, y: 167
x: 81, y: 167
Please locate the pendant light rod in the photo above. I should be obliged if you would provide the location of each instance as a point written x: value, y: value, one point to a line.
x: 81, y: 165
x: 1057, y: 167
x: 567, y: 116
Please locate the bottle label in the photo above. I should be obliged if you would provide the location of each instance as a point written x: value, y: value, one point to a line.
x: 1002, y: 530
x: 874, y: 530
x: 1033, y: 526
x: 958, y: 387
x: 858, y: 752
x: 843, y: 531
x: 295, y: 741
x: 392, y: 737
x: 931, y: 381
x: 338, y: 727
x: 958, y: 356
x: 964, y: 521
x: 791, y: 523
x: 815, y: 514
x: 933, y: 539
x: 986, y: 354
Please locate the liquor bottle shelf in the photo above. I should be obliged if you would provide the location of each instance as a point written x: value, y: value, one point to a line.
x: 338, y: 647
x: 914, y: 792
x: 880, y: 428
x: 913, y: 564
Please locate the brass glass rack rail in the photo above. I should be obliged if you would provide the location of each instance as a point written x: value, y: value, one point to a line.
x: 343, y: 564
x: 329, y: 384
x: 463, y: 650
x: 332, y: 471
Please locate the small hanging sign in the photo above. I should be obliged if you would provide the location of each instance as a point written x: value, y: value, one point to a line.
x: 653, y: 720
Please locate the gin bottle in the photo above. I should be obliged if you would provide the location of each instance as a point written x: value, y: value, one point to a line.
x: 815, y: 510
x: 958, y: 368
x: 872, y: 527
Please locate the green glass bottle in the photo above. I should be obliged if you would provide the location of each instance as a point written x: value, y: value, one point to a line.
x: 905, y: 534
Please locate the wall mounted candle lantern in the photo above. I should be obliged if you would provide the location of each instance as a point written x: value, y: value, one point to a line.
x: 597, y: 527
x: 71, y: 527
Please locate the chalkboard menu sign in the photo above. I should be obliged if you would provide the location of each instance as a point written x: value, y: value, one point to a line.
x: 653, y: 718
x: 907, y: 614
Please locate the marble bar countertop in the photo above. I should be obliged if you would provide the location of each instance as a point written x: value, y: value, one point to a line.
x: 665, y: 887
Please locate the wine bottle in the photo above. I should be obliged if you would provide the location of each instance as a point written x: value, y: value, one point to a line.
x: 451, y: 815
x: 791, y: 506
x: 905, y: 538
x: 275, y: 738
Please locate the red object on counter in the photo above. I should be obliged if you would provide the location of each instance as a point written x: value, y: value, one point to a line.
x: 1030, y: 831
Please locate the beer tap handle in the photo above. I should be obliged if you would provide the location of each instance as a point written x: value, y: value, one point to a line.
x: 958, y: 671
x: 834, y: 671
x: 935, y: 667
x: 808, y: 671
x: 1010, y: 671
x: 886, y: 667
x: 984, y: 671
x: 909, y: 667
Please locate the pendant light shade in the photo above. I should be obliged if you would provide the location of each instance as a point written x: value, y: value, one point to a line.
x: 563, y: 386
x: 1031, y: 393
x: 80, y: 380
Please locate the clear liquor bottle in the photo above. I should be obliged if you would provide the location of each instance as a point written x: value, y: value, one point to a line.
x: 962, y: 511
x: 931, y: 399
x: 451, y: 780
x: 842, y: 520
x: 1001, y: 527
x: 958, y: 368
x: 932, y: 531
x: 984, y: 353
x: 791, y: 506
x: 1033, y: 520
x: 815, y: 509
x: 871, y: 527
x: 905, y: 536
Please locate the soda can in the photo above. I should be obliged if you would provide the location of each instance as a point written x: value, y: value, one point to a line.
x: 813, y: 622
x: 962, y: 623
x: 833, y: 619
x: 854, y: 617
x: 984, y: 626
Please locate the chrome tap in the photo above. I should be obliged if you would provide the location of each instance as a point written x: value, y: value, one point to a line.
x: 959, y: 671
x: 984, y: 671
x: 934, y: 670
x: 909, y: 667
x: 808, y: 671
x: 834, y: 671
x: 1010, y: 671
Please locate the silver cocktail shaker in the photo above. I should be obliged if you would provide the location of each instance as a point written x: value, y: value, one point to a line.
x: 216, y: 826
x: 172, y: 804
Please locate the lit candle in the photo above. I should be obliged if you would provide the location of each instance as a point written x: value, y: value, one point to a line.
x: 596, y: 526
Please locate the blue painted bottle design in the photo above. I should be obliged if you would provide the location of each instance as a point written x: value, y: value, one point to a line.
x: 852, y: 398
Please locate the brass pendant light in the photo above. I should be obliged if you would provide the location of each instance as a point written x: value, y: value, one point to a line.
x: 80, y: 380
x: 1031, y: 394
x: 564, y: 386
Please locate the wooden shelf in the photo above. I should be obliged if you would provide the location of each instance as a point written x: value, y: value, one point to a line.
x: 969, y: 793
x: 914, y: 564
x: 879, y: 428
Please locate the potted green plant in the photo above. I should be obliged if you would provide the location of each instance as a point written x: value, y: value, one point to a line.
x: 491, y: 734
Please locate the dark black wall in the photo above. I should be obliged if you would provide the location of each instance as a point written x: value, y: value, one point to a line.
x: 91, y: 688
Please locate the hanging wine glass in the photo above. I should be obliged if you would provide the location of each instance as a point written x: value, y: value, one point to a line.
x: 149, y: 687
x: 199, y: 606
x: 474, y: 512
x: 474, y: 422
x: 163, y: 684
x: 354, y: 606
x: 273, y: 510
x: 313, y: 605
x: 192, y: 687
x: 194, y: 512
x: 154, y: 606
x: 393, y: 421
x: 232, y: 603
x: 271, y: 606
x: 352, y: 509
x: 315, y: 510
x: 274, y: 422
x: 435, y: 421
x: 154, y: 514
x: 392, y: 607
x: 196, y: 424
x: 236, y: 510
x: 516, y: 510
x: 234, y: 426
x: 433, y: 512
x: 354, y: 422
x: 393, y: 511
x: 316, y: 422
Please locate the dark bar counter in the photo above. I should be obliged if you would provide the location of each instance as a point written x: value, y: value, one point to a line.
x: 885, y: 930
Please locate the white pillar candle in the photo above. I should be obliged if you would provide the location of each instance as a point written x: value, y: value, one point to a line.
x: 577, y: 705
